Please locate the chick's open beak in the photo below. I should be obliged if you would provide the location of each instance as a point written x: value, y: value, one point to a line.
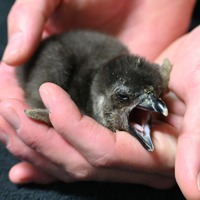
x: 140, y: 118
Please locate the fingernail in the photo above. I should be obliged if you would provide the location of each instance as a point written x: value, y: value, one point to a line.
x: 10, y: 115
x: 45, y: 95
x: 13, y: 47
x: 3, y: 138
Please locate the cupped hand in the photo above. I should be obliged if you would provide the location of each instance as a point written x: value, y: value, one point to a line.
x: 93, y: 153
x: 185, y: 82
x: 145, y: 27
x: 10, y: 88
x: 96, y: 153
x: 78, y: 148
x: 130, y: 25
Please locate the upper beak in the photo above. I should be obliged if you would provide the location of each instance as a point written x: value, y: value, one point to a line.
x: 152, y: 103
x: 148, y: 103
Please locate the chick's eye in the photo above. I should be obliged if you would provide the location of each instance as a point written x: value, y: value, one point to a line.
x: 122, y: 96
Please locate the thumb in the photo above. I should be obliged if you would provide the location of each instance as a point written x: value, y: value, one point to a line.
x: 25, y: 25
x: 187, y: 167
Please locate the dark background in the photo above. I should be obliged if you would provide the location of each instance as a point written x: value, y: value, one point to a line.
x: 75, y: 191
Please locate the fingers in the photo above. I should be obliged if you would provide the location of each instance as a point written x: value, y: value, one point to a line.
x: 141, y: 30
x: 25, y: 25
x: 185, y: 82
x: 45, y: 142
x: 102, y: 147
x: 189, y: 142
x: 21, y: 150
x: 187, y: 160
x: 31, y: 17
x: 51, y: 149
x: 24, y: 172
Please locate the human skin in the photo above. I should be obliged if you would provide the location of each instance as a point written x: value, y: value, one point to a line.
x: 136, y: 23
x: 154, y: 169
x: 101, y: 156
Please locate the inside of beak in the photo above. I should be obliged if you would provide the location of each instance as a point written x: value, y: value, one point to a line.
x: 140, y: 127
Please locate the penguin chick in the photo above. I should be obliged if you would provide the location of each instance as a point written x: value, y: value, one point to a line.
x: 118, y: 90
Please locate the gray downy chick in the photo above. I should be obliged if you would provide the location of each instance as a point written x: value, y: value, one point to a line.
x: 118, y: 90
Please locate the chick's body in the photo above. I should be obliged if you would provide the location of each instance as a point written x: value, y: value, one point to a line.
x: 101, y: 77
x: 71, y: 61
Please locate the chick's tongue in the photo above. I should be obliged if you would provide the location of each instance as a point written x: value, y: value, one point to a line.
x: 139, y: 119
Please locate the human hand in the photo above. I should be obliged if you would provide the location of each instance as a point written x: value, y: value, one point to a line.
x: 185, y: 82
x: 134, y: 22
x: 151, y: 170
x: 61, y: 152
x: 149, y: 51
x: 10, y: 89
x: 183, y: 53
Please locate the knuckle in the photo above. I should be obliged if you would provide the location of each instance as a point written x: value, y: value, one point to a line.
x: 15, y: 150
x: 12, y: 149
x: 103, y: 161
x: 80, y: 173
x: 34, y: 144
